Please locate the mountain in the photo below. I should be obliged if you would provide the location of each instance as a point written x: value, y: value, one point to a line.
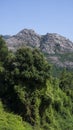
x: 58, y: 49
x: 24, y: 38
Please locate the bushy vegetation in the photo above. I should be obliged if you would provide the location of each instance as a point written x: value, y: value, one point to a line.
x: 9, y: 121
x: 31, y: 98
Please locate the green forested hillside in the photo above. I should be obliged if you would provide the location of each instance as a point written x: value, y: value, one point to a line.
x: 30, y: 97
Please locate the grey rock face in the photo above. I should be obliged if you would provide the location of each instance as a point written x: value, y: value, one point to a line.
x: 52, y: 44
x: 24, y: 38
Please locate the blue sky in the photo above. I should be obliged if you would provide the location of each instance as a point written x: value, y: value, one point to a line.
x: 52, y: 16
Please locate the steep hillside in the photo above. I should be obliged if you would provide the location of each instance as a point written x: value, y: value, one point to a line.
x: 57, y: 48
x: 30, y: 97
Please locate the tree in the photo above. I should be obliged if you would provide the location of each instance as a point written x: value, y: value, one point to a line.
x: 3, y: 50
x: 3, y: 55
x: 26, y: 71
x: 66, y: 82
x: 32, y: 65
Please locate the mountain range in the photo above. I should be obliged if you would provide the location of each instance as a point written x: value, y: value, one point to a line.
x: 57, y: 48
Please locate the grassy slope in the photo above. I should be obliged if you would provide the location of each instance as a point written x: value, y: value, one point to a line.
x: 9, y: 121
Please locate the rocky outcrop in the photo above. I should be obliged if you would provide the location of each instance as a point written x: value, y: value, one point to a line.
x: 55, y: 43
x: 51, y: 44
x: 24, y: 38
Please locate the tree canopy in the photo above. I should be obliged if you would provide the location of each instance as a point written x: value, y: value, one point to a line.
x: 27, y: 65
x: 28, y: 89
x: 3, y: 50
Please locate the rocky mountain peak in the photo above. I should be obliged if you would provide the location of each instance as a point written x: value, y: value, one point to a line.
x: 26, y: 37
x: 26, y: 31
x: 53, y: 45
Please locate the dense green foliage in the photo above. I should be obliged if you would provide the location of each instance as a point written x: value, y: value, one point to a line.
x: 31, y: 98
x: 3, y: 50
x: 9, y: 121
